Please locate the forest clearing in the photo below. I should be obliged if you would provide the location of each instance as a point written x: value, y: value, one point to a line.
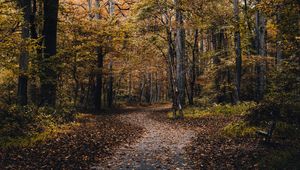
x: 149, y: 84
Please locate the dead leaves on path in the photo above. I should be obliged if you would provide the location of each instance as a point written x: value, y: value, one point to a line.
x: 95, y: 139
x: 210, y: 150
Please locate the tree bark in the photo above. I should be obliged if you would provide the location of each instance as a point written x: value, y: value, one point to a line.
x: 111, y: 7
x: 238, y: 50
x: 110, y: 85
x: 49, y: 71
x: 23, y: 60
x: 99, y: 73
x: 278, y: 41
x: 99, y: 80
x: 261, y: 51
x: 180, y: 53
x: 193, y: 69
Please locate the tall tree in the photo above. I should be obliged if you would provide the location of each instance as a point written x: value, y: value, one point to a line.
x: 193, y: 69
x: 99, y: 73
x: 261, y: 51
x: 111, y: 79
x: 180, y: 52
x: 49, y: 68
x: 23, y: 60
x: 238, y: 50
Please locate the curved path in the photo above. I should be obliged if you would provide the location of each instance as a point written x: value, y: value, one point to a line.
x: 161, y: 147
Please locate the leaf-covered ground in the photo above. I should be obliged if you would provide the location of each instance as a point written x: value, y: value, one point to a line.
x: 78, y: 148
x: 211, y: 149
x: 161, y: 147
x: 142, y: 138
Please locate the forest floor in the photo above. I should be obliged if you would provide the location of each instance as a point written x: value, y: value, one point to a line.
x: 162, y: 145
x: 139, y: 138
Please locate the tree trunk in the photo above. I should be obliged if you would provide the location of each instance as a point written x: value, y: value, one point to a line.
x: 90, y: 4
x: 278, y: 41
x: 99, y: 77
x: 23, y: 60
x: 170, y: 61
x: 99, y: 74
x: 193, y: 69
x: 261, y: 51
x: 110, y: 85
x: 111, y: 7
x: 180, y: 53
x: 97, y: 6
x: 238, y: 52
x: 49, y: 70
x: 35, y: 33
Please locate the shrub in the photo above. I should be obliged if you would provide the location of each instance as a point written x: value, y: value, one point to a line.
x: 16, y: 121
x: 282, y: 98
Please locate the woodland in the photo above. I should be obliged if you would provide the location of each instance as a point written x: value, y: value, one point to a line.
x: 149, y: 84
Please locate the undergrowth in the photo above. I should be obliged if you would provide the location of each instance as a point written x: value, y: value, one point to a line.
x: 239, y: 129
x: 24, y: 125
x: 240, y: 109
x: 287, y: 158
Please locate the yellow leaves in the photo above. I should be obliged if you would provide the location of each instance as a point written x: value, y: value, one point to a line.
x: 5, y: 75
x: 272, y: 30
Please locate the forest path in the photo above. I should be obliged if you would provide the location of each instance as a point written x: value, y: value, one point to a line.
x: 161, y: 146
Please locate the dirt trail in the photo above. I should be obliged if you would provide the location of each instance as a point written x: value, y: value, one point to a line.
x: 161, y: 147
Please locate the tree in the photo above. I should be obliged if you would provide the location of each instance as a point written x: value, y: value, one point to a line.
x: 260, y: 30
x: 238, y: 52
x: 49, y: 66
x: 111, y: 79
x: 25, y: 5
x: 99, y: 72
x: 180, y: 52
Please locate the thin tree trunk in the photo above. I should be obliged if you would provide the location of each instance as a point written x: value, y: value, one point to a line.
x: 238, y: 50
x: 170, y: 61
x: 110, y: 85
x: 23, y: 60
x: 36, y: 10
x: 261, y: 51
x: 278, y: 41
x: 193, y: 69
x: 99, y: 74
x: 99, y: 80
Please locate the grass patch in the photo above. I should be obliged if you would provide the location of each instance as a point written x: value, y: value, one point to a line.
x: 239, y: 129
x: 217, y: 110
x: 29, y: 140
x: 228, y: 109
x: 191, y: 112
x: 25, y: 125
